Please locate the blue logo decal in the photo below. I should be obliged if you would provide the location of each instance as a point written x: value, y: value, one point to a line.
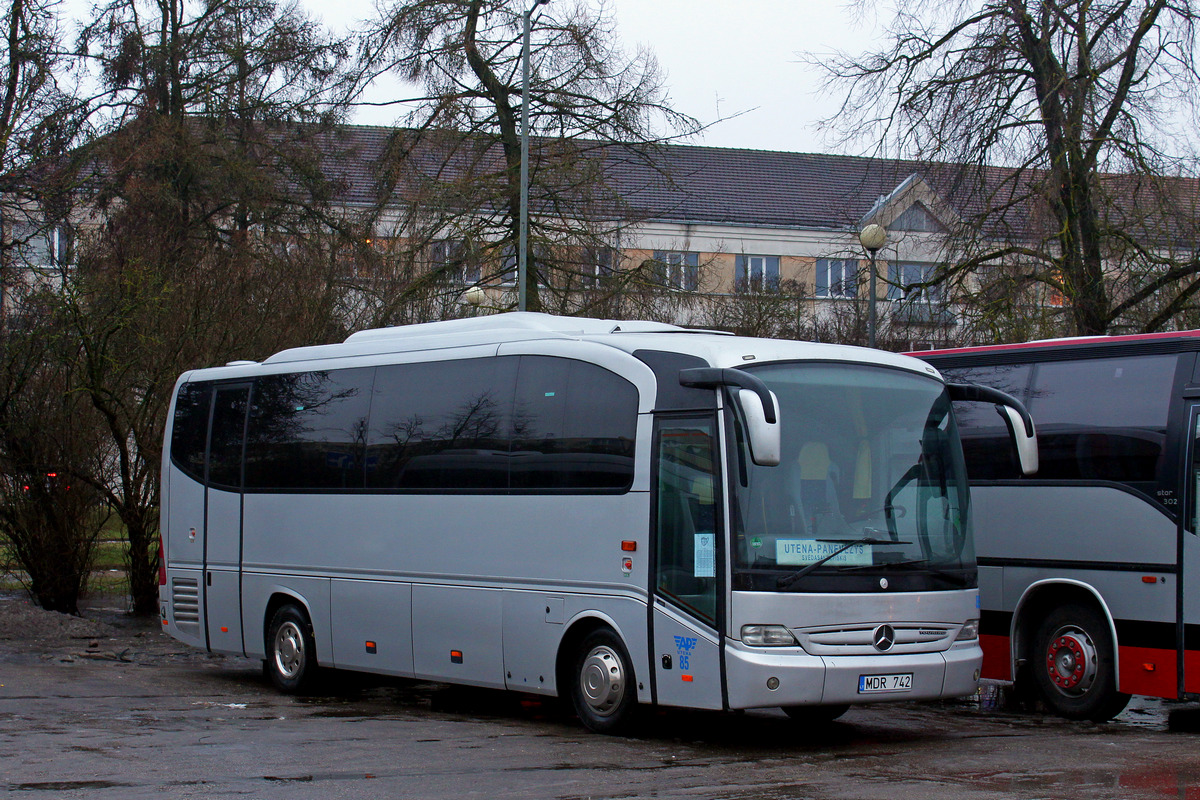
x: 684, y: 645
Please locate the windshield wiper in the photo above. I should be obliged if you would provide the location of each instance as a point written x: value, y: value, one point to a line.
x: 909, y: 563
x: 788, y: 580
x: 924, y: 564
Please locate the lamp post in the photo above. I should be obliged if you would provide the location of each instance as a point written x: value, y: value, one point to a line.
x: 523, y: 235
x: 873, y: 237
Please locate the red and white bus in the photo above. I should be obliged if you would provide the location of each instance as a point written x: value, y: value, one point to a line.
x: 1089, y: 571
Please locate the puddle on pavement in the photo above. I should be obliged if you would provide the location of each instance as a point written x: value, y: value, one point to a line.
x: 65, y: 786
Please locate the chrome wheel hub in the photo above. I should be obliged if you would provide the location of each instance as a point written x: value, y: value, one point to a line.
x: 1071, y: 661
x: 602, y: 680
x: 289, y: 650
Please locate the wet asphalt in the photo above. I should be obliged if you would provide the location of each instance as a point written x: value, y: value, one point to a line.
x: 155, y: 721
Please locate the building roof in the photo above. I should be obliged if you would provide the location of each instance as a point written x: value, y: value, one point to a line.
x: 761, y: 188
x: 679, y: 183
x: 693, y: 184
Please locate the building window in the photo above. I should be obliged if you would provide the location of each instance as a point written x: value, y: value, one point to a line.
x: 541, y: 263
x: 43, y: 248
x: 508, y: 266
x: 451, y: 259
x: 904, y: 281
x: 837, y: 277
x: 757, y: 273
x: 679, y: 270
x: 918, y: 219
x: 597, y: 264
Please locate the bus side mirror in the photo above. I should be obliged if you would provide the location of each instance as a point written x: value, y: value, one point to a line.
x: 1014, y: 414
x: 759, y: 405
x: 1026, y: 443
x: 763, y: 436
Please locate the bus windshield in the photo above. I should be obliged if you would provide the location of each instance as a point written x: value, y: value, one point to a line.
x: 871, y: 492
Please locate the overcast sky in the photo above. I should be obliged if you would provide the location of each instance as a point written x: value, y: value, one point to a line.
x: 721, y: 57
x: 725, y: 57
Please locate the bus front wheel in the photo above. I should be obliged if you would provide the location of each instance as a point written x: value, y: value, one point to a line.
x: 603, y: 692
x: 816, y: 715
x: 291, y: 650
x: 1073, y: 664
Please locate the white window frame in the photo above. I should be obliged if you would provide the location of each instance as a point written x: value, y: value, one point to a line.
x: 902, y: 274
x: 681, y: 268
x: 840, y: 278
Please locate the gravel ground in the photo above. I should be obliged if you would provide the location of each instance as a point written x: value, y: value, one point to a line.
x: 103, y: 631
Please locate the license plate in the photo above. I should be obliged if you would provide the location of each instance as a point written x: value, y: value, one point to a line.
x: 868, y: 684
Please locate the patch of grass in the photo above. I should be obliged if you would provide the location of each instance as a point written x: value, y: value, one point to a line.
x: 109, y: 582
x: 110, y: 554
x: 108, y: 574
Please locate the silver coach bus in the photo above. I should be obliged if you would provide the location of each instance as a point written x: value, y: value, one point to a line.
x: 621, y: 513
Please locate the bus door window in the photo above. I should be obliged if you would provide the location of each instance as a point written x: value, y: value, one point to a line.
x: 228, y: 433
x: 223, y: 520
x: 686, y: 516
x: 1194, y: 516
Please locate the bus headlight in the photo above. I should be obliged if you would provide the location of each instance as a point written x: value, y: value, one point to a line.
x: 969, y: 631
x: 768, y: 636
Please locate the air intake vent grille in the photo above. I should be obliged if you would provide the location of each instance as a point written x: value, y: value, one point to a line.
x: 185, y: 604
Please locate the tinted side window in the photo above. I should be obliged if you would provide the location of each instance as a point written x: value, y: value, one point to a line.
x: 189, y: 429
x: 308, y: 430
x: 228, y: 436
x: 988, y: 449
x: 573, y: 426
x: 441, y: 425
x: 1102, y: 418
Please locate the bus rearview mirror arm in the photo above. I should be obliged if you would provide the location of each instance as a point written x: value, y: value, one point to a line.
x: 1014, y: 414
x: 760, y: 408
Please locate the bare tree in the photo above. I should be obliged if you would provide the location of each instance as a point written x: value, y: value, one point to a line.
x: 209, y: 182
x: 40, y: 121
x: 1059, y: 129
x: 457, y: 165
x: 767, y: 311
x: 51, y: 465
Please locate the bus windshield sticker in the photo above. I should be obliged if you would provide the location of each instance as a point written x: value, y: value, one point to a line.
x: 706, y: 555
x: 806, y: 551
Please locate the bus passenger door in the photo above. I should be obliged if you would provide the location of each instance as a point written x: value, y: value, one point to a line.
x: 686, y: 645
x: 1189, y: 555
x: 223, y: 521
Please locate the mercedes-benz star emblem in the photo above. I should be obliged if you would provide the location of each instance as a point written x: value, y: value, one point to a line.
x: 883, y: 638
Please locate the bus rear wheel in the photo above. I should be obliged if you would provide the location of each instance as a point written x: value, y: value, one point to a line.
x: 1073, y: 664
x: 291, y: 650
x: 603, y: 690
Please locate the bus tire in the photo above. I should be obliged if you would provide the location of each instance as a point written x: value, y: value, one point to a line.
x: 603, y: 688
x: 291, y: 650
x: 816, y: 715
x: 1073, y: 664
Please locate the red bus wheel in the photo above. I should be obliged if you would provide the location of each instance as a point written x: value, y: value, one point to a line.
x: 1074, y: 664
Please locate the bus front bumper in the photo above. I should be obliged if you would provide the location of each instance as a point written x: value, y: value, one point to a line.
x: 802, y: 679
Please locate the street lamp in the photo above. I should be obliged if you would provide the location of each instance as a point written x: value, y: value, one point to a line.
x: 873, y: 237
x: 523, y: 235
x: 475, y: 296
